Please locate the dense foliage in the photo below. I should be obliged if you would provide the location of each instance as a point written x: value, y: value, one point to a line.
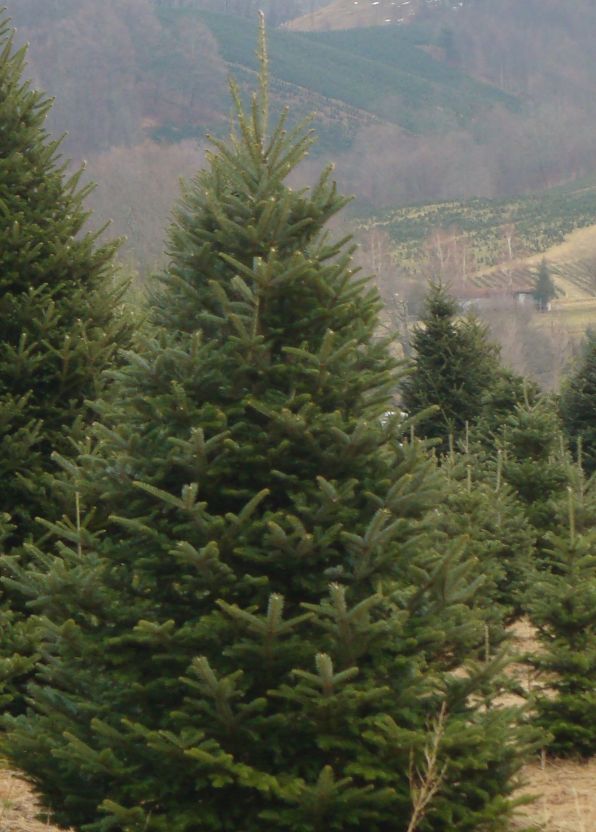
x: 536, y: 463
x: 59, y: 321
x: 259, y: 601
x: 483, y: 509
x: 563, y: 607
x: 454, y: 367
x: 578, y: 405
x: 255, y: 620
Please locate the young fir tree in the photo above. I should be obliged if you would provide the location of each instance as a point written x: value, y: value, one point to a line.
x: 499, y: 402
x: 536, y: 463
x: 454, y: 367
x: 483, y: 509
x: 563, y: 608
x: 58, y: 323
x: 578, y: 405
x: 248, y: 625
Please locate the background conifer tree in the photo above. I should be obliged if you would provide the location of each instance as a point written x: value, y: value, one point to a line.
x: 255, y: 624
x: 544, y: 288
x: 454, y: 367
x: 536, y: 463
x: 508, y: 391
x: 578, y: 405
x: 59, y: 326
x: 483, y: 509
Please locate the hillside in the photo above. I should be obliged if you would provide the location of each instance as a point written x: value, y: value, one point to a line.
x: 380, y: 73
x: 489, y: 100
x: 157, y: 70
x: 486, y: 250
x: 493, y: 230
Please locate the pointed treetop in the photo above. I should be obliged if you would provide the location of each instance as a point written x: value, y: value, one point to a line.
x: 263, y: 57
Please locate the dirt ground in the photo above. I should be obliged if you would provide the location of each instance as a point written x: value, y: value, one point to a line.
x: 566, y: 795
x: 18, y: 807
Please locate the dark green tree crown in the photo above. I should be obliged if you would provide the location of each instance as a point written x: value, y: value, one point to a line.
x: 41, y: 206
x: 544, y: 287
x: 59, y: 326
x: 578, y: 405
x: 454, y: 366
x: 243, y: 236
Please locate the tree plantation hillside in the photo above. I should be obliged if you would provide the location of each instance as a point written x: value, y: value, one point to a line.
x: 471, y: 124
x: 448, y: 92
x: 258, y: 571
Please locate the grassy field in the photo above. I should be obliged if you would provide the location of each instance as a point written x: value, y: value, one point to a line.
x: 400, y: 48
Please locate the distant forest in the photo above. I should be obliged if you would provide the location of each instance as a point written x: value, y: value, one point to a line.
x: 120, y: 71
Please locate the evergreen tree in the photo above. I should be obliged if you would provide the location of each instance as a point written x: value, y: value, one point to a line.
x: 483, y: 509
x: 58, y: 323
x: 19, y: 642
x: 578, y: 405
x: 454, y: 366
x: 563, y: 608
x: 536, y: 463
x: 544, y: 289
x: 508, y: 392
x: 252, y: 623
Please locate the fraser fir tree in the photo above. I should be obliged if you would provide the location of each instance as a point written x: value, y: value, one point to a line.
x: 563, y: 608
x: 58, y: 323
x: 454, y: 366
x: 578, y: 405
x: 536, y: 463
x: 508, y: 392
x: 483, y: 509
x: 253, y: 623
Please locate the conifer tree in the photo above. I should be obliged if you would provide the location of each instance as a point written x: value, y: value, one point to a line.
x: 58, y: 323
x: 454, y: 366
x: 251, y: 623
x: 18, y: 640
x: 508, y: 392
x: 536, y: 462
x: 578, y: 405
x: 483, y: 509
x: 544, y: 289
x: 563, y: 608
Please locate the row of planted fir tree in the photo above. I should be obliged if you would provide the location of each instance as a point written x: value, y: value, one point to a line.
x: 508, y: 446
x: 240, y: 589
